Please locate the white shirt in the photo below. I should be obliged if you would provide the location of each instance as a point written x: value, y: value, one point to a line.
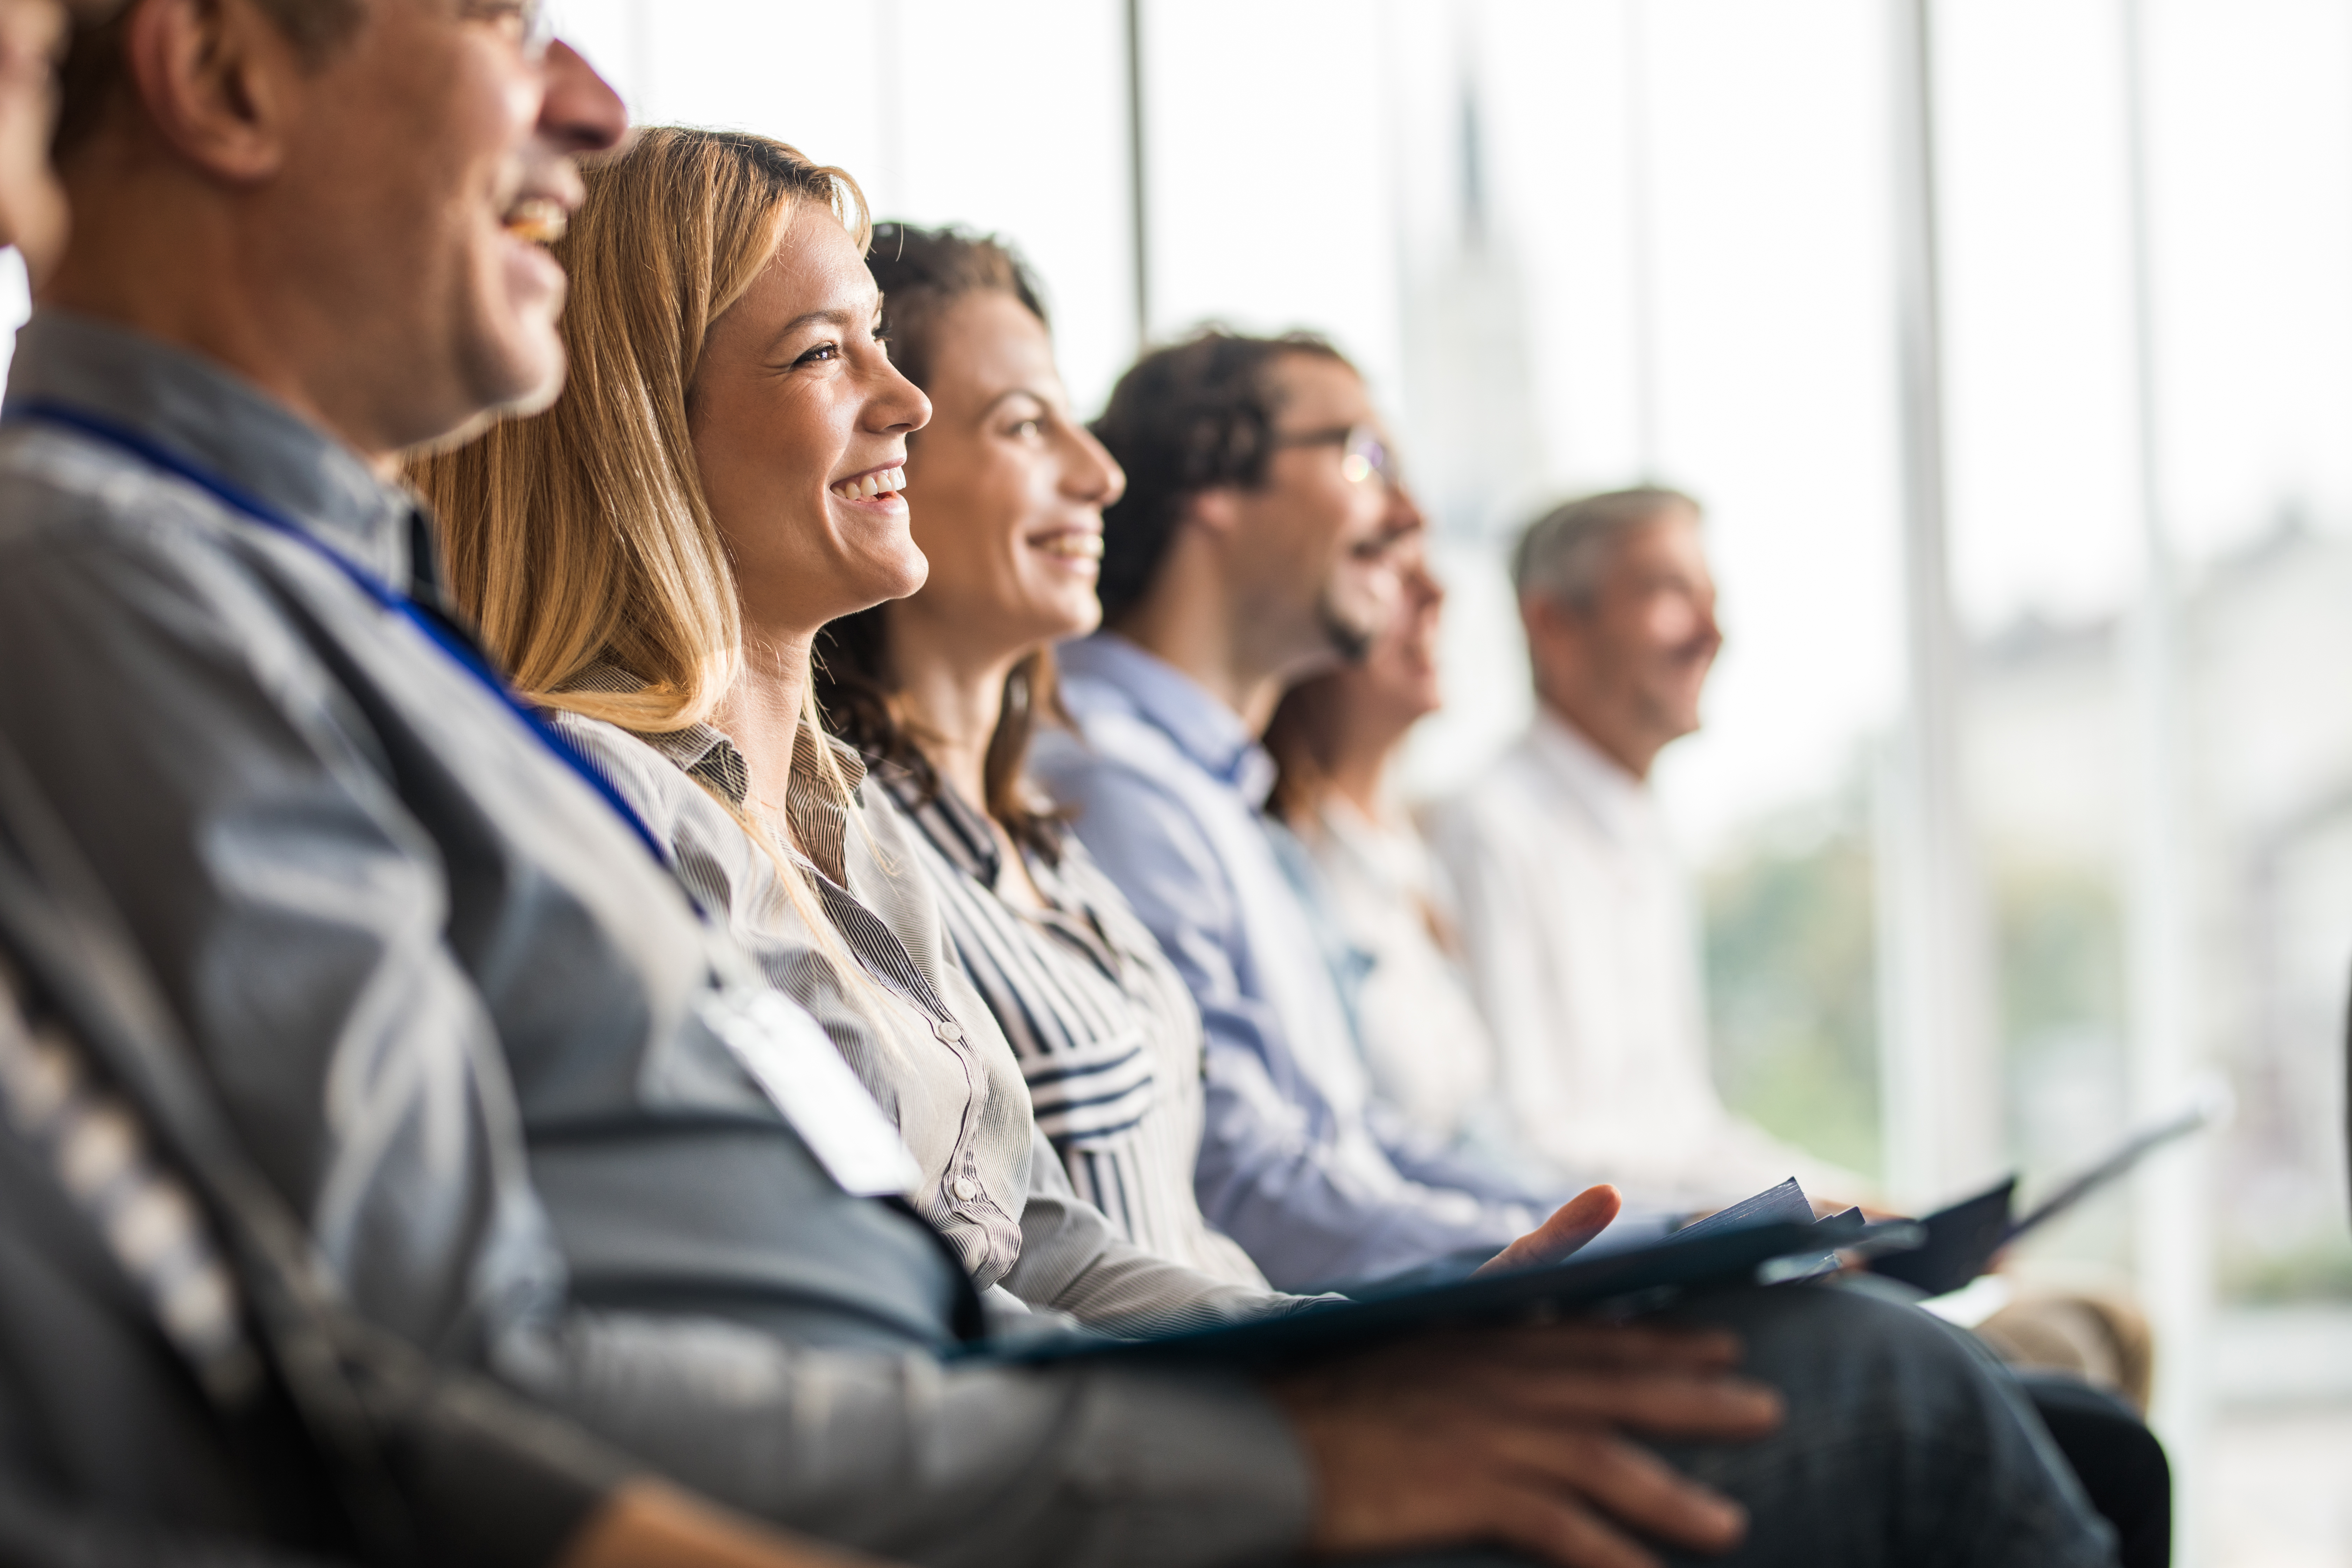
x: 1583, y: 956
x: 1421, y: 1035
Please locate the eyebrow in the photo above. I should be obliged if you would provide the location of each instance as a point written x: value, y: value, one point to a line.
x: 834, y: 318
x: 1031, y: 395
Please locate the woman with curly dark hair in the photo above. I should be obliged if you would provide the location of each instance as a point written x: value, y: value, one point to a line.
x: 1007, y: 489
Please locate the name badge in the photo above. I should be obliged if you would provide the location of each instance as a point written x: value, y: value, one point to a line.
x: 788, y: 1055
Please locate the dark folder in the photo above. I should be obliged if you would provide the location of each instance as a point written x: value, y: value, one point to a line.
x: 1633, y: 1278
x: 1962, y: 1240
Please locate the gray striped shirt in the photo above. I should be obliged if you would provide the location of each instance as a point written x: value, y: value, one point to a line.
x: 1104, y: 1027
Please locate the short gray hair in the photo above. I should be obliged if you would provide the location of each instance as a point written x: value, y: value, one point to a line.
x: 1563, y: 554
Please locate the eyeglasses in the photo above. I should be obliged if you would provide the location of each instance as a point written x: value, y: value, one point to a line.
x: 1362, y: 453
x: 532, y: 22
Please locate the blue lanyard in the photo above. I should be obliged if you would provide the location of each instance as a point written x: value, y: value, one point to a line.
x: 437, y: 628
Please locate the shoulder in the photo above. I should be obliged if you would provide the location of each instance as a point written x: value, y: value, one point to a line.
x: 142, y: 598
x: 902, y: 858
x: 73, y: 513
x: 1117, y: 764
x: 55, y: 478
x: 1123, y: 802
x: 627, y: 762
x: 1490, y: 812
x: 674, y: 807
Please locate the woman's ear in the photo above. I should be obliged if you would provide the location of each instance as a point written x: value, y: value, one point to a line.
x: 1216, y: 510
x: 217, y: 79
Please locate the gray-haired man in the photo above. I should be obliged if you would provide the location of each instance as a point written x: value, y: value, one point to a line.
x: 1582, y: 945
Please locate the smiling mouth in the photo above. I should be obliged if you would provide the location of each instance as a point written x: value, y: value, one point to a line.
x: 538, y: 220
x: 1072, y: 546
x: 866, y: 486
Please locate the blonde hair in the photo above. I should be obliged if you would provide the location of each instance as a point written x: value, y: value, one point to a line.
x: 580, y: 536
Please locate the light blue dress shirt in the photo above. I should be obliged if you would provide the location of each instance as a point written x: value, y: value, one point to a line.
x: 1297, y: 1162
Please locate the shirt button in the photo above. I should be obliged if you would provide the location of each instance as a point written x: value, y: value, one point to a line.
x: 948, y: 1029
x: 966, y: 1188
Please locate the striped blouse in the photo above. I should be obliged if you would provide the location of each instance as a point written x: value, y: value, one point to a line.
x: 1104, y: 1028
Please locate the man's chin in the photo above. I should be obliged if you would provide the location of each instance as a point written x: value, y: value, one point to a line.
x: 1350, y: 641
x: 511, y: 387
x: 539, y: 396
x: 523, y: 374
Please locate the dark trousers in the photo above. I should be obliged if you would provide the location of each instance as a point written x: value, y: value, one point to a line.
x: 2117, y: 1459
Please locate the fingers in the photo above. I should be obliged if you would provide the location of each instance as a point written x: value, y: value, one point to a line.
x: 1632, y: 1484
x: 1558, y: 1528
x: 1571, y: 1225
x: 1536, y: 1461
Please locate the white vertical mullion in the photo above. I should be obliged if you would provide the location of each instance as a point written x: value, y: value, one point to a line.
x: 2172, y: 1226
x: 1940, y: 1092
x: 1138, y: 183
x: 1640, y: 233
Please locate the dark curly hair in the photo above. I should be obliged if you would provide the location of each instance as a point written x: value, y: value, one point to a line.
x: 921, y: 272
x: 1186, y: 418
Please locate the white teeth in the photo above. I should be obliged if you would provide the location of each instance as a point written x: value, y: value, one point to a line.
x: 1074, y: 546
x: 538, y: 220
x: 889, y: 481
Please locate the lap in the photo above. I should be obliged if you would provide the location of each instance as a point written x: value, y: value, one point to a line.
x: 1906, y: 1444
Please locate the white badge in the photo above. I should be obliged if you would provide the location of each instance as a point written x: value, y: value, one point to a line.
x: 787, y: 1053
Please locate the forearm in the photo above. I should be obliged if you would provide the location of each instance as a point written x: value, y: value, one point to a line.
x: 937, y: 1465
x: 647, y: 1524
x: 37, y: 1532
x: 1074, y: 1260
x: 1319, y: 1212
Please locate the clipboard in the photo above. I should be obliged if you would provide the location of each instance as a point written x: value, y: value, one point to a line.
x: 1635, y: 1278
x: 1963, y: 1239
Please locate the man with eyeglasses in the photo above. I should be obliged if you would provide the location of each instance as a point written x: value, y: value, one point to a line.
x: 1253, y: 548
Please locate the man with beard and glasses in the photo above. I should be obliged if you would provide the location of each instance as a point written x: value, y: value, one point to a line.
x: 1254, y: 547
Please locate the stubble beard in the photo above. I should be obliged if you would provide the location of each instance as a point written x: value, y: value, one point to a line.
x: 1350, y: 640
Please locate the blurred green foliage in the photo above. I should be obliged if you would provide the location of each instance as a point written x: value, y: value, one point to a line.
x: 2060, y: 956
x: 1792, y: 1002
x: 1791, y: 984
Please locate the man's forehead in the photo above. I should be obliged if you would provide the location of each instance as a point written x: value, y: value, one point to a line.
x: 1666, y: 543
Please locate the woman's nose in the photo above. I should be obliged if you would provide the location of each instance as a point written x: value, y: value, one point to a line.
x: 898, y: 406
x: 1093, y: 475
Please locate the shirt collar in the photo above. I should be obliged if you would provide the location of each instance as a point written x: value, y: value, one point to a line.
x: 1616, y: 798
x: 820, y: 818
x: 1207, y: 731
x: 205, y: 413
x: 954, y: 826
